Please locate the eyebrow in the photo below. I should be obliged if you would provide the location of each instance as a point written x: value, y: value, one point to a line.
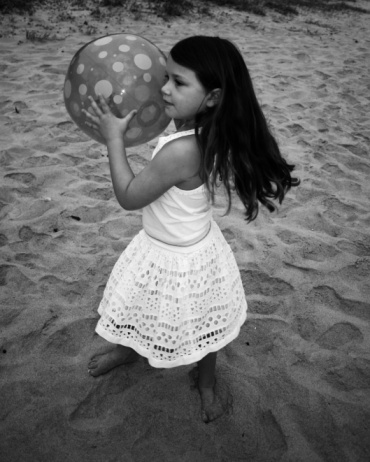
x: 172, y: 74
x: 177, y: 76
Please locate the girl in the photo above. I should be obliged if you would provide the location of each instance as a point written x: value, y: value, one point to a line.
x: 175, y: 295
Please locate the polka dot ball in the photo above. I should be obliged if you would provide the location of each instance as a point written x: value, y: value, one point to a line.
x: 129, y: 71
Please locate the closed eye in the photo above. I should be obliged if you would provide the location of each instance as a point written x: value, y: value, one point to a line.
x: 178, y: 82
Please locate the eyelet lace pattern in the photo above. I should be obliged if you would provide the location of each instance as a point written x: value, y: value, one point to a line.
x: 173, y: 305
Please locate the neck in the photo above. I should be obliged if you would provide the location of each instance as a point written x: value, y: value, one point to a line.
x: 183, y: 125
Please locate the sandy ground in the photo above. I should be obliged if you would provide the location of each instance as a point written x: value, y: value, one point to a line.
x: 296, y: 381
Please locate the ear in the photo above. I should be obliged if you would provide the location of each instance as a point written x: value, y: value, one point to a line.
x: 213, y: 97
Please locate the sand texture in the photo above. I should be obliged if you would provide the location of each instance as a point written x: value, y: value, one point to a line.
x: 296, y: 382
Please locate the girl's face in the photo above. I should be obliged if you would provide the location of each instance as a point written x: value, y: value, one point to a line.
x: 183, y: 94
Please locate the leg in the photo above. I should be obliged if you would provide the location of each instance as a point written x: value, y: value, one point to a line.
x: 211, y: 407
x: 103, y: 363
x: 207, y: 367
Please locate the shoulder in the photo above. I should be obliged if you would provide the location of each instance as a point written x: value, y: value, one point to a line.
x: 184, y: 148
x: 181, y: 143
x: 179, y: 157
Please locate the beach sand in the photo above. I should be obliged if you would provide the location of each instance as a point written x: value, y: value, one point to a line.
x: 296, y: 381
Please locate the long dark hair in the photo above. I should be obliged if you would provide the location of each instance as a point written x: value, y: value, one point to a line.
x: 236, y: 144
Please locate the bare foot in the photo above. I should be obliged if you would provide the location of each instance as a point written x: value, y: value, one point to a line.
x: 103, y: 363
x: 211, y: 407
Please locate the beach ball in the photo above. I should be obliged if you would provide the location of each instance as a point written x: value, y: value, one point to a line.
x: 128, y: 71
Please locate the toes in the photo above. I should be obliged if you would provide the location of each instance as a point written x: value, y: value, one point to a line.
x: 216, y: 412
x: 204, y: 416
x: 211, y: 408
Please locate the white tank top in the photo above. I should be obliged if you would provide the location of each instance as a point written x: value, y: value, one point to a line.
x: 178, y: 217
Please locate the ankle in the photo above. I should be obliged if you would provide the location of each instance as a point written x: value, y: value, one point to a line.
x: 207, y: 382
x: 207, y: 369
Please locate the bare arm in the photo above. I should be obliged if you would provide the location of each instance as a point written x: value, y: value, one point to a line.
x: 175, y: 163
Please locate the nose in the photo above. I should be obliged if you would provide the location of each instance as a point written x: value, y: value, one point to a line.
x: 165, y: 88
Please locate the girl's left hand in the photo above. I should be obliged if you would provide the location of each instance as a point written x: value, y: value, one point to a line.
x: 105, y: 121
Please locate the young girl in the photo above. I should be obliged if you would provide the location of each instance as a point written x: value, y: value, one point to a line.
x: 175, y: 295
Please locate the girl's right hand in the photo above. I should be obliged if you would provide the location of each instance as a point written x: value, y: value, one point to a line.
x: 102, y: 119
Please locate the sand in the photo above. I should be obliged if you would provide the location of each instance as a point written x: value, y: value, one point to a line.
x: 296, y: 381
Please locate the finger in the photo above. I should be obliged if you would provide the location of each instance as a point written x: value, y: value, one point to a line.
x: 90, y: 118
x: 131, y: 115
x: 88, y: 114
x: 103, y: 104
x: 95, y: 107
x: 91, y: 124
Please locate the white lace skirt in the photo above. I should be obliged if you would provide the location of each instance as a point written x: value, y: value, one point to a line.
x: 173, y: 305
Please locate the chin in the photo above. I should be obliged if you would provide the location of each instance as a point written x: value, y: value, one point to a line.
x: 169, y: 112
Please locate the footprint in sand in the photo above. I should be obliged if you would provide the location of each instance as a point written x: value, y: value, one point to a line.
x: 359, y: 248
x: 109, y: 400
x: 26, y: 233
x: 70, y: 292
x: 296, y: 129
x: 68, y: 338
x: 18, y: 401
x: 256, y: 282
x: 356, y: 272
x: 103, y: 194
x: 97, y: 179
x: 28, y: 210
x: 274, y: 434
x: 265, y: 307
x: 327, y: 297
x: 66, y: 126
x: 337, y: 178
x: 31, y: 241
x: 357, y: 150
x: 354, y: 376
x: 26, y: 259
x: 358, y: 166
x: 349, y: 187
x: 91, y: 191
x: 259, y: 335
x: 12, y: 278
x: 8, y: 314
x: 228, y: 234
x: 340, y: 334
x: 72, y: 160
x: 296, y: 107
x: 306, y: 326
x: 340, y: 212
x: 10, y: 157
x: 40, y: 161
x: 317, y: 221
x: 3, y: 240
x: 312, y: 249
x: 25, y: 178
